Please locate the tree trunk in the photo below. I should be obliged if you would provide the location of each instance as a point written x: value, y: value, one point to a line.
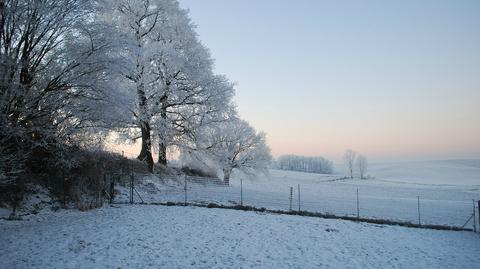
x: 162, y: 153
x: 162, y: 145
x: 226, y: 175
x: 146, y: 151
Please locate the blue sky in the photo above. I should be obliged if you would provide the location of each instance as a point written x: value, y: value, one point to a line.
x: 395, y: 80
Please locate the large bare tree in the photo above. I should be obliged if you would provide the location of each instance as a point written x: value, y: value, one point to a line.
x: 52, y: 75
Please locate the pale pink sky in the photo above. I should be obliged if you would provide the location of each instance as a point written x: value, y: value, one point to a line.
x: 392, y: 80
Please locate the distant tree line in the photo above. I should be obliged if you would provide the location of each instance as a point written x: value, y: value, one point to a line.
x: 318, y: 165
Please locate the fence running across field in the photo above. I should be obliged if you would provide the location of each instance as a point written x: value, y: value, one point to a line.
x: 190, y: 190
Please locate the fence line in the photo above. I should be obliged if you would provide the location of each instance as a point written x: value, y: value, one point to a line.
x: 203, y: 190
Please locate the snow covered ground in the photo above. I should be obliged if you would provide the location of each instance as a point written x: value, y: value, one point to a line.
x: 148, y: 236
x: 446, y: 172
x: 392, y: 193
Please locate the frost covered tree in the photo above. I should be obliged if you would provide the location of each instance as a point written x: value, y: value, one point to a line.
x: 168, y: 70
x: 234, y: 144
x: 349, y: 160
x: 134, y: 26
x: 362, y: 164
x: 189, y: 110
x: 53, y: 78
x: 189, y: 95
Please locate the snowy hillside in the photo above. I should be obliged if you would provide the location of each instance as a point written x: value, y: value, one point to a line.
x: 185, y: 237
x: 448, y: 172
x: 391, y: 194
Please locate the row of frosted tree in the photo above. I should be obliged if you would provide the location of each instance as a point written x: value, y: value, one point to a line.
x: 72, y: 72
x: 305, y: 164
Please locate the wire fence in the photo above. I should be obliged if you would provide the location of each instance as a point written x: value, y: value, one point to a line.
x: 353, y: 202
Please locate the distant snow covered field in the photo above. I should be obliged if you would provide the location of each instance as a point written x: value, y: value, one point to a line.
x: 446, y: 190
x: 148, y: 236
x: 446, y: 172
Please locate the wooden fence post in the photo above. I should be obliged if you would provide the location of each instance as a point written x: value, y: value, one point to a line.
x: 474, y: 218
x: 418, y: 209
x: 479, y: 212
x: 291, y: 197
x: 185, y: 188
x: 241, y: 191
x: 358, y: 206
x: 131, y: 188
x: 299, y: 198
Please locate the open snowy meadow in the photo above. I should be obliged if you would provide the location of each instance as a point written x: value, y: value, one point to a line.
x: 149, y: 236
x: 441, y: 192
x: 154, y: 236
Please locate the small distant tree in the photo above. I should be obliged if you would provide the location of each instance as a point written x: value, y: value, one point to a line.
x: 349, y: 159
x: 362, y: 164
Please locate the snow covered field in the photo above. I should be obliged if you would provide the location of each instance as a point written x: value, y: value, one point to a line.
x: 391, y: 194
x: 447, y: 172
x: 148, y: 236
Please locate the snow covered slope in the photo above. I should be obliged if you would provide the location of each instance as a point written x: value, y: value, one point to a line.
x: 447, y: 172
x: 378, y: 198
x: 183, y: 237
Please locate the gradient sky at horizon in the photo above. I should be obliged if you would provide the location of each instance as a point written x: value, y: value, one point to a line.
x: 394, y: 80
